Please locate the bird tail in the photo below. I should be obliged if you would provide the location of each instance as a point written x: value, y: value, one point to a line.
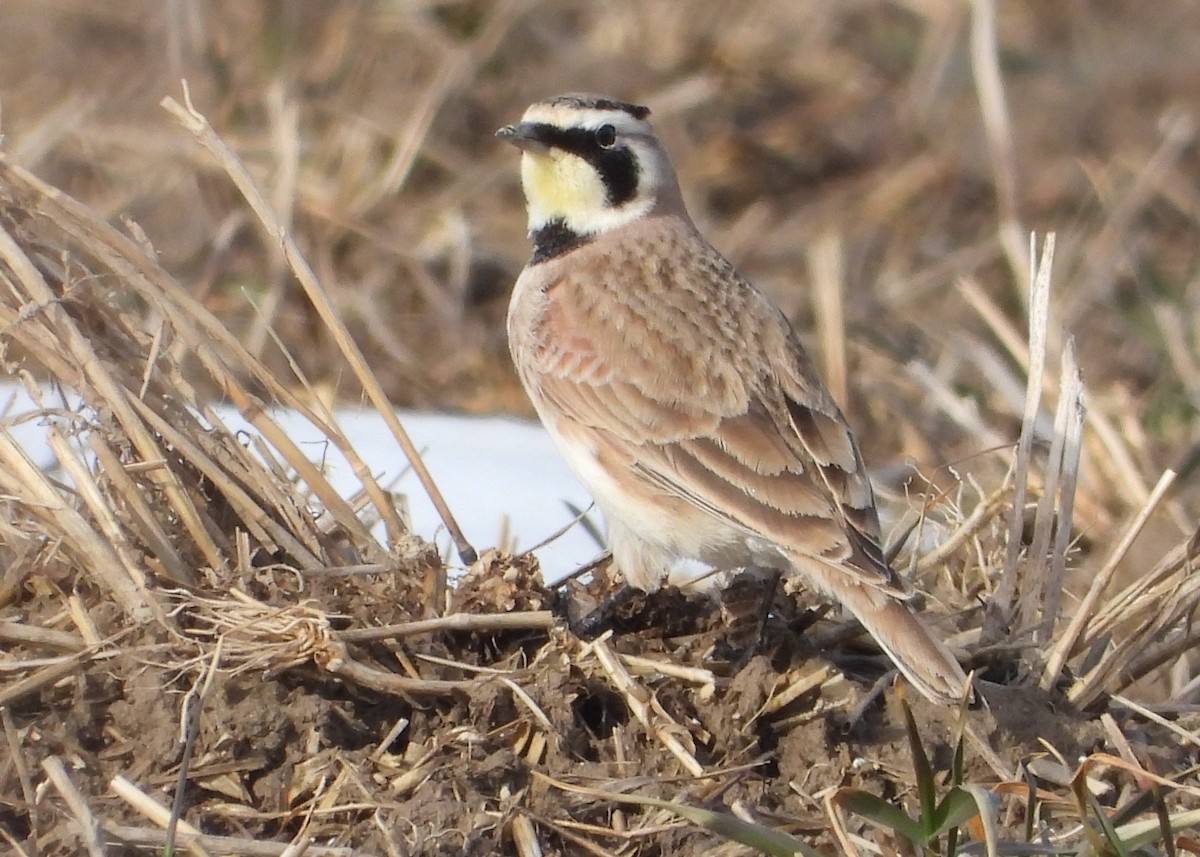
x: 921, y: 657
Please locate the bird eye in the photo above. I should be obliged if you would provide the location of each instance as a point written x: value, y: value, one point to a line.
x: 606, y: 136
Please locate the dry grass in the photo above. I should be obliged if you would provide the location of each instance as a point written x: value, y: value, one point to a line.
x: 203, y: 643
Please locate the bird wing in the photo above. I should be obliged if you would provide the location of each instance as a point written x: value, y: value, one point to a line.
x: 721, y: 408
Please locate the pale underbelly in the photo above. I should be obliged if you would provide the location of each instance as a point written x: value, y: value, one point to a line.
x: 665, y: 521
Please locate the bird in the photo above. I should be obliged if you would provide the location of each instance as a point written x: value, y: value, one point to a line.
x: 679, y: 395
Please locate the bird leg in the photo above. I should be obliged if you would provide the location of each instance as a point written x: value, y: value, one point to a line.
x: 764, y: 614
x: 758, y: 643
x: 599, y: 619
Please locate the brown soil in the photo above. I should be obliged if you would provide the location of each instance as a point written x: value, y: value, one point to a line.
x: 467, y: 763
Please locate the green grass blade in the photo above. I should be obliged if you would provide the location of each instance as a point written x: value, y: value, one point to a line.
x: 877, y: 810
x: 926, y: 787
x: 1031, y: 806
x: 986, y: 805
x: 1108, y: 833
x: 956, y: 807
x: 731, y: 827
x: 1139, y: 834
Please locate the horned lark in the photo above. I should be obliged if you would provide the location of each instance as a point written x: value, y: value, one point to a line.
x: 679, y: 394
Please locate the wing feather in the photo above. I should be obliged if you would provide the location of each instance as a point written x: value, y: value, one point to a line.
x: 763, y: 448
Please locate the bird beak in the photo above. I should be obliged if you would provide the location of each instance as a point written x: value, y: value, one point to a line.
x: 526, y: 136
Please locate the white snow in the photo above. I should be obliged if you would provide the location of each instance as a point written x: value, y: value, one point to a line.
x: 488, y: 469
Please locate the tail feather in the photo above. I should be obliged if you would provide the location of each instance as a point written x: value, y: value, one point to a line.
x: 921, y: 657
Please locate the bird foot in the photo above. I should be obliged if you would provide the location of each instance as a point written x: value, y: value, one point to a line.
x: 599, y: 619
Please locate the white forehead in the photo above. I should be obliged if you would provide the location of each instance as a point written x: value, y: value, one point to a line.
x: 571, y: 116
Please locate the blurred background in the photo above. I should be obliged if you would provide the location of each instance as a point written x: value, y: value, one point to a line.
x: 839, y: 153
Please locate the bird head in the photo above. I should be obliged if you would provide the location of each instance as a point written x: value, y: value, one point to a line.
x: 590, y: 164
